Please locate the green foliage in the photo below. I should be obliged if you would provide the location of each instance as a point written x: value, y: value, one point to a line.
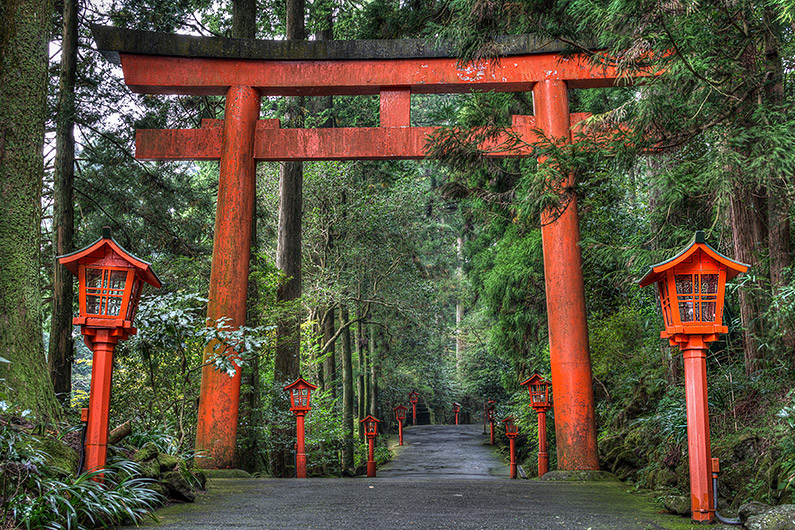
x: 35, y: 494
x: 82, y: 502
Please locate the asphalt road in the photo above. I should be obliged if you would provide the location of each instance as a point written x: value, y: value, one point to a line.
x: 444, y: 477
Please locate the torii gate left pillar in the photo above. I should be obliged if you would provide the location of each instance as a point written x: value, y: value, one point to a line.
x: 152, y: 64
x: 216, y: 432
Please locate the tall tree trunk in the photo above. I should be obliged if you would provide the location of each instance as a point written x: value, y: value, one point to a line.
x: 288, y: 245
x: 347, y: 395
x: 24, y: 31
x: 61, y: 350
x: 244, y: 19
x: 329, y: 360
x: 362, y: 393
x: 748, y: 231
x: 373, y: 391
x: 460, y: 345
x: 779, y: 203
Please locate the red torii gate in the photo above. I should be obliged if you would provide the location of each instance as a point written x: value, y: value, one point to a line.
x: 246, y: 70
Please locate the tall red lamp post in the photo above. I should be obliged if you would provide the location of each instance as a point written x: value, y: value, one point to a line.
x: 691, y: 288
x: 511, y: 431
x: 486, y: 405
x: 300, y: 400
x: 371, y: 431
x: 110, y: 281
x: 539, y: 400
x: 413, y: 398
x: 456, y: 409
x: 400, y: 416
x: 490, y: 416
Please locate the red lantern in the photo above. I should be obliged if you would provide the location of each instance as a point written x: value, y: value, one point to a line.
x: 300, y: 403
x: 413, y: 398
x: 691, y: 287
x: 110, y: 280
x: 371, y: 431
x: 511, y: 431
x: 300, y: 395
x: 456, y: 409
x: 400, y: 415
x: 538, y: 387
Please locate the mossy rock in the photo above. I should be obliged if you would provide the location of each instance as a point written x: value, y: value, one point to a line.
x: 150, y: 469
x: 147, y: 452
x: 678, y: 504
x: 661, y: 479
x: 167, y: 462
x: 178, y: 488
x: 776, y: 518
x: 226, y: 473
x: 61, y: 459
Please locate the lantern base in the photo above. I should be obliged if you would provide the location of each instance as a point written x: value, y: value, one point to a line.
x: 370, y: 469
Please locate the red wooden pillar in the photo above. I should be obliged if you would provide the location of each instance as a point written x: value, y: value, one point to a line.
x: 216, y: 432
x: 103, y: 344
x: 300, y: 447
x: 575, y: 423
x: 543, y: 455
x: 698, y: 444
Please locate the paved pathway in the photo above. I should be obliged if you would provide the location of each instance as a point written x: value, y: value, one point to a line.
x: 445, y: 477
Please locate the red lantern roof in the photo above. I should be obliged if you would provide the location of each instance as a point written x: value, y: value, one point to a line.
x: 657, y: 272
x: 106, y: 251
x: 370, y: 419
x: 301, y: 383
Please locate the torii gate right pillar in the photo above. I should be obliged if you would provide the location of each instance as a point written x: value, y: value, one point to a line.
x: 575, y: 423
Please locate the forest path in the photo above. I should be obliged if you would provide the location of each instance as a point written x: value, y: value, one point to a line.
x: 444, y: 477
x: 443, y: 452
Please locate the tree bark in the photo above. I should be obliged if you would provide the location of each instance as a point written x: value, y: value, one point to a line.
x: 373, y: 391
x: 360, y: 340
x: 748, y: 231
x: 329, y: 360
x: 347, y: 396
x: 61, y: 349
x: 288, y: 245
x: 24, y: 31
x: 244, y: 19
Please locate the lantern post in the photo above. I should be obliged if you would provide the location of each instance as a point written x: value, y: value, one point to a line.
x: 538, y: 387
x: 413, y: 398
x: 490, y: 415
x: 300, y: 401
x: 511, y: 431
x: 486, y: 405
x: 110, y: 280
x: 371, y: 431
x: 691, y: 288
x: 400, y: 416
x: 456, y: 409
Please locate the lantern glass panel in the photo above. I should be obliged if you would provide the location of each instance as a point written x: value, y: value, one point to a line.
x: 300, y: 397
x: 132, y: 307
x: 665, y: 303
x: 105, y: 291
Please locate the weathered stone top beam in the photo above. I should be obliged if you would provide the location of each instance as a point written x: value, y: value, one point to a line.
x: 113, y: 41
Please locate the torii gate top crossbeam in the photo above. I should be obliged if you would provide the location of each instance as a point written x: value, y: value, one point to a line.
x: 159, y: 63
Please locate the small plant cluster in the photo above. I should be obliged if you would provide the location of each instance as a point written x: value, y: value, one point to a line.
x: 37, y: 493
